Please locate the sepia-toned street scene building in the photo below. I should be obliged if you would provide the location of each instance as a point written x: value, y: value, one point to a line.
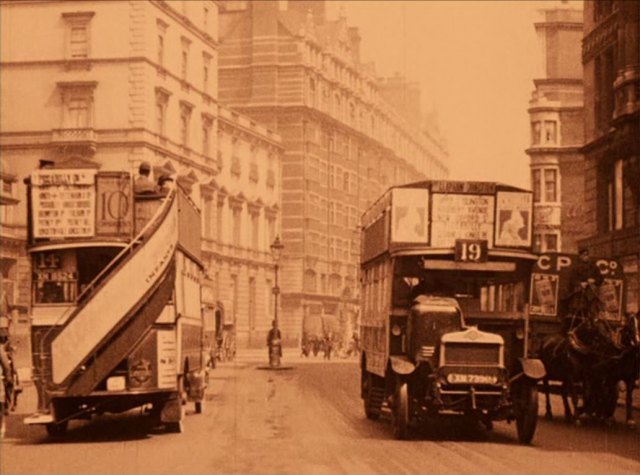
x: 319, y: 236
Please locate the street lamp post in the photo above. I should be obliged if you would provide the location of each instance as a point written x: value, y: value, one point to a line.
x: 276, y: 254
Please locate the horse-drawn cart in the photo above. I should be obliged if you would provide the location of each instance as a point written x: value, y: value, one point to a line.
x: 578, y: 330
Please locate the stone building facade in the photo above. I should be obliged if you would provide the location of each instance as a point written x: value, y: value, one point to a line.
x: 118, y: 83
x: 286, y: 65
x: 242, y: 219
x: 611, y: 59
x: 556, y: 116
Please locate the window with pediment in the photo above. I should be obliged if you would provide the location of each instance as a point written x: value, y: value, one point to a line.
x: 77, y: 104
x: 78, y: 34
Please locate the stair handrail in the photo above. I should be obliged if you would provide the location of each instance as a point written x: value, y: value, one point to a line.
x: 152, y: 223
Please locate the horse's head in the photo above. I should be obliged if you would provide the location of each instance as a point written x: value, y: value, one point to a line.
x: 629, y: 336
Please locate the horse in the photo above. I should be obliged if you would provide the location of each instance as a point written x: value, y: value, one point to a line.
x: 627, y: 364
x: 581, y: 356
x: 564, y: 363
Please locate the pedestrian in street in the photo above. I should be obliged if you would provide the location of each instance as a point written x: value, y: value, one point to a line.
x: 274, y: 338
x: 328, y: 346
x: 6, y: 377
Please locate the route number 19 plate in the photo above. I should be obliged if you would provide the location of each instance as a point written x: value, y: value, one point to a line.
x: 469, y: 250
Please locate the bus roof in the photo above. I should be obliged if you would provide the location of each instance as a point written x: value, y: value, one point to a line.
x: 449, y: 186
x: 439, y: 215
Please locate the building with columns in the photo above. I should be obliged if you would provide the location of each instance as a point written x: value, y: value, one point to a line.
x: 287, y: 65
x: 119, y: 83
x: 556, y: 116
x: 611, y: 59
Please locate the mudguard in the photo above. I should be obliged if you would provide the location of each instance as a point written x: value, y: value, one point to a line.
x: 402, y: 365
x: 532, y: 368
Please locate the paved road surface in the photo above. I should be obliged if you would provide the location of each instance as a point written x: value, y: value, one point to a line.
x: 307, y: 420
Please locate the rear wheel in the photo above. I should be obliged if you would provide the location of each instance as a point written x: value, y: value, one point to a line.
x: 175, y: 427
x: 526, y: 411
x: 373, y: 396
x: 401, y: 412
x: 57, y: 429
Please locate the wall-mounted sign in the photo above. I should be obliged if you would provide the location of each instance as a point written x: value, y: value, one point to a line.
x: 544, y: 294
x: 610, y: 293
x: 461, y: 217
x: 63, y: 203
x: 513, y: 219
x: 410, y: 215
x: 549, y: 215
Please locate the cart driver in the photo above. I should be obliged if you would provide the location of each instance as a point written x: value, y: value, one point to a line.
x: 586, y: 281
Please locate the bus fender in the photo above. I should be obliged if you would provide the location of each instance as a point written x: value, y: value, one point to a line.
x: 402, y: 365
x: 533, y: 368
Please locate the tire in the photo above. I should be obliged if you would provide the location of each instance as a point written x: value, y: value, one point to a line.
x: 526, y: 412
x: 175, y: 427
x: 200, y: 406
x: 401, y: 412
x: 373, y: 397
x: 58, y: 429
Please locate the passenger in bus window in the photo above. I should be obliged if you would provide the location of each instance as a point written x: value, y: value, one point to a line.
x: 164, y: 184
x: 52, y: 293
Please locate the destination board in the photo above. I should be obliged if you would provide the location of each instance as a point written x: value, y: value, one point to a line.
x: 457, y: 216
x: 63, y: 203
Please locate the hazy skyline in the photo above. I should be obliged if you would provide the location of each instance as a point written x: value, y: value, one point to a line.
x: 475, y: 62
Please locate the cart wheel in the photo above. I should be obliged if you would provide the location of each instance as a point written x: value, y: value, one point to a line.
x: 175, y: 427
x: 57, y: 429
x: 373, y: 397
x: 401, y: 412
x: 526, y: 411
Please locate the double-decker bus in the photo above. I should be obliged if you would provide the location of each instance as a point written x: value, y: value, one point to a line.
x: 445, y: 272
x: 115, y: 298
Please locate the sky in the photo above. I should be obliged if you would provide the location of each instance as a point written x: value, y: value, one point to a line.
x: 475, y: 62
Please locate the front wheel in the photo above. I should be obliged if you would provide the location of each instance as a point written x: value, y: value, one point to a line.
x: 526, y: 411
x: 401, y: 412
x: 57, y: 429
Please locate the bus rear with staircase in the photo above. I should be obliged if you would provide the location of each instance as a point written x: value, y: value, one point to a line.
x: 116, y: 292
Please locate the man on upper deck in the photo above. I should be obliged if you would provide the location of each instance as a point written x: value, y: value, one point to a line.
x: 143, y: 184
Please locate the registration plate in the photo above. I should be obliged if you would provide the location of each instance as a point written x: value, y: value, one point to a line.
x: 458, y: 378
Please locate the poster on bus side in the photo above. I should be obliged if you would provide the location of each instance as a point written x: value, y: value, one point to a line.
x: 513, y: 219
x: 410, y: 215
